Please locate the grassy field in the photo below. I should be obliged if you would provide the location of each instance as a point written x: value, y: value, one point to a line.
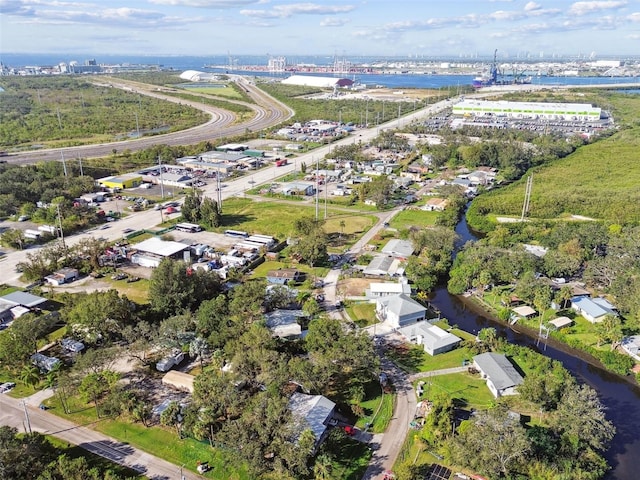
x: 413, y: 218
x: 277, y: 218
x: 351, y: 458
x: 223, y: 91
x: 380, y: 411
x: 157, y: 441
x: 598, y: 180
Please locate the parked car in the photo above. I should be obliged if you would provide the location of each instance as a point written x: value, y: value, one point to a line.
x: 118, y: 276
x: 132, y: 279
x: 5, y: 387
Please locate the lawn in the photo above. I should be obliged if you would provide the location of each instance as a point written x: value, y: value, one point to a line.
x: 158, y: 441
x: 350, y: 457
x: 135, y: 291
x: 222, y: 91
x: 413, y: 218
x: 261, y: 270
x: 363, y: 314
x: 467, y: 390
x: 380, y: 412
x: 413, y: 358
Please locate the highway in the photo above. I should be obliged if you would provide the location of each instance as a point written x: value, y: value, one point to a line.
x: 267, y: 112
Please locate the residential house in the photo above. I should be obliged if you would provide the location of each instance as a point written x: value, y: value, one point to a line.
x: 312, y: 412
x: 502, y: 377
x: 631, y: 345
x: 284, y: 323
x: 381, y: 265
x: 401, y: 249
x: 399, y: 310
x: 384, y: 289
x: 593, y: 309
x: 283, y: 276
x: 24, y: 299
x: 435, y: 204
x: 434, y: 339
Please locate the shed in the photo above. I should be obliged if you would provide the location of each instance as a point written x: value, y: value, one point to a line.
x: 502, y: 377
x: 524, y: 311
x: 179, y: 380
x: 561, y: 322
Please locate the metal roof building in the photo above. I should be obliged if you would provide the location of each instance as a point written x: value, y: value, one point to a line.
x: 549, y: 111
x: 313, y: 81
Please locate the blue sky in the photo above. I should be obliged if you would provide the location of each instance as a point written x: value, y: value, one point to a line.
x: 359, y: 27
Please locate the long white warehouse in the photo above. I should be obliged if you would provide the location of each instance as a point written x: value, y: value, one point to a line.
x: 549, y: 111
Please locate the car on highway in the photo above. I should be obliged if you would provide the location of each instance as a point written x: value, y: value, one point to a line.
x: 127, y: 230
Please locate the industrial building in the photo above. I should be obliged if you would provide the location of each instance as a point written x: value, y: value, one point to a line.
x: 126, y: 180
x: 321, y: 82
x: 150, y: 252
x: 549, y: 111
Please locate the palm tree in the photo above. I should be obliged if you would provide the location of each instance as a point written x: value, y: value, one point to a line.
x: 323, y: 466
x: 30, y: 375
x: 342, y: 225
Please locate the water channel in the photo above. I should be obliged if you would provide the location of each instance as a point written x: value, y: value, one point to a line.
x: 621, y: 397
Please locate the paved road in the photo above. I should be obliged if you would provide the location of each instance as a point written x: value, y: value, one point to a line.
x: 12, y: 413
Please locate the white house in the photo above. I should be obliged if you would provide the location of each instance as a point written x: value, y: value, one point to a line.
x: 384, y: 289
x: 502, y: 377
x: 434, y: 339
x: 402, y: 249
x: 593, y: 309
x: 399, y: 310
x: 631, y: 345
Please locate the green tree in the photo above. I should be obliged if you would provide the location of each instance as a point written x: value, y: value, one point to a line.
x: 99, y: 314
x: 30, y: 375
x: 312, y: 241
x: 323, y: 467
x: 210, y: 213
x: 13, y: 237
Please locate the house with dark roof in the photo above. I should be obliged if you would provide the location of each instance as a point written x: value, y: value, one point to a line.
x: 502, y: 377
x: 434, y: 339
x: 399, y: 310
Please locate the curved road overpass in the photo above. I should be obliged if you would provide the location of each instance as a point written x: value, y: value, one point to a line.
x: 268, y: 112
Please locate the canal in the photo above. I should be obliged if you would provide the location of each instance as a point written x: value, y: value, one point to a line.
x: 621, y: 397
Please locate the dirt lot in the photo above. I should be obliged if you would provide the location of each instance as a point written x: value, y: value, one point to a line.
x: 354, y: 287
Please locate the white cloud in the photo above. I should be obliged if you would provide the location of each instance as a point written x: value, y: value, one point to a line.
x: 585, y: 8
x: 206, y: 3
x: 286, y: 11
x: 333, y: 22
x: 634, y: 17
x: 531, y: 6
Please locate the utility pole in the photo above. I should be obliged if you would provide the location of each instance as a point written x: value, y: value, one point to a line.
x: 81, y: 173
x: 64, y: 165
x: 527, y: 197
x: 317, y: 168
x: 26, y: 415
x: 161, y: 179
x: 60, y: 226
